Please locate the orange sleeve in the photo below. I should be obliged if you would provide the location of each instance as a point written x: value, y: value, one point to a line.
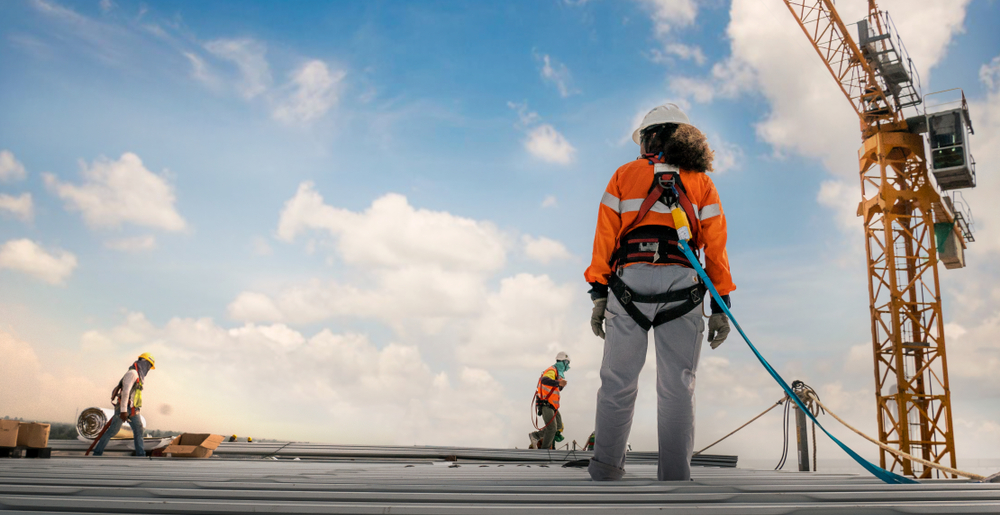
x: 713, y: 237
x: 609, y: 222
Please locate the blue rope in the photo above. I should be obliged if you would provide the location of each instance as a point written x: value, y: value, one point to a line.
x: 877, y: 471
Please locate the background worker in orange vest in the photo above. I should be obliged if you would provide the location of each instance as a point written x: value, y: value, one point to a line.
x: 127, y: 397
x: 648, y: 204
x: 550, y: 384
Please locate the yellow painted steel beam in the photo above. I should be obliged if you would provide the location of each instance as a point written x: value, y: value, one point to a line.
x: 855, y: 76
x: 899, y: 207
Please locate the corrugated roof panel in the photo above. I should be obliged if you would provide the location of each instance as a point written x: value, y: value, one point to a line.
x: 222, y: 485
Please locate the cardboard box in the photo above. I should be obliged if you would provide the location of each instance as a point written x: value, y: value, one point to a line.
x: 8, y: 433
x: 192, y: 445
x: 33, y: 435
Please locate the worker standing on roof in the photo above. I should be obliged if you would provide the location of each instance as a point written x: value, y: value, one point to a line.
x: 648, y: 204
x: 550, y: 384
x: 127, y: 397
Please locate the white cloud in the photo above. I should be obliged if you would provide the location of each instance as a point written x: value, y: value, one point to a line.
x: 989, y: 74
x: 119, y: 192
x: 842, y: 197
x: 557, y: 74
x: 135, y: 244
x: 985, y: 147
x: 523, y: 324
x: 200, y: 70
x: 728, y: 156
x: 544, y: 250
x: 547, y: 144
x: 525, y: 117
x: 106, y: 42
x: 668, y: 15
x: 255, y: 307
x: 21, y: 206
x: 544, y: 141
x: 248, y: 56
x: 10, y: 168
x: 107, y: 5
x: 408, y: 263
x: 680, y: 50
x: 392, y: 233
x: 728, y: 79
x: 392, y: 295
x: 27, y: 256
x: 315, y: 90
x: 550, y: 201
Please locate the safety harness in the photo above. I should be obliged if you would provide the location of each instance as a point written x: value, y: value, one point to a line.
x: 540, y: 401
x: 645, y: 244
x: 133, y: 405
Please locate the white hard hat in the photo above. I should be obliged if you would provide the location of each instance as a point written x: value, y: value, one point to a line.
x: 562, y: 356
x: 666, y: 113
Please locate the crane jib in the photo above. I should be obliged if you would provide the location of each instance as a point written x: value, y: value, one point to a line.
x: 879, y: 472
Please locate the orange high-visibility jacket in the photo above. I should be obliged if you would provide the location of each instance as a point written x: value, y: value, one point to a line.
x: 624, y: 195
x: 549, y: 392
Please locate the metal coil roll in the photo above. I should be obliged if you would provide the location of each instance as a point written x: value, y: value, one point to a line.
x: 92, y: 420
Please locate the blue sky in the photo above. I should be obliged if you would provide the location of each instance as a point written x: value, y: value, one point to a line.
x: 299, y: 206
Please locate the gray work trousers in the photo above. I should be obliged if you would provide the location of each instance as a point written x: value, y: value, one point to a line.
x: 678, y: 346
x: 547, y: 435
x: 116, y: 424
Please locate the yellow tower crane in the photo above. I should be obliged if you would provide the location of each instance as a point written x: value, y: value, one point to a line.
x: 910, y: 224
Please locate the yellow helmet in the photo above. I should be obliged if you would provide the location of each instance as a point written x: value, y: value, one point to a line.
x: 148, y: 357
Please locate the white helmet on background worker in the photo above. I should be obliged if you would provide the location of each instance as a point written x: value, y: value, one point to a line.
x: 666, y: 113
x: 562, y: 356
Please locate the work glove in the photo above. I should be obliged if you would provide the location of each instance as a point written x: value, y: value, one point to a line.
x: 597, y: 316
x: 559, y: 436
x: 718, y: 329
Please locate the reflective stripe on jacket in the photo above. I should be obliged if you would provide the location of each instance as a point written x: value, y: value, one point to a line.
x: 628, y: 187
x: 549, y: 392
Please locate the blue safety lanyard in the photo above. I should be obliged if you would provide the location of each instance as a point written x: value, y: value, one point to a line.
x: 879, y: 472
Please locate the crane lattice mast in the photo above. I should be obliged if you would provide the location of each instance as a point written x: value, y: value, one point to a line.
x: 902, y: 210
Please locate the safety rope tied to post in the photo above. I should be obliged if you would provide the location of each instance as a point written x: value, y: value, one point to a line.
x: 898, y: 452
x: 731, y: 433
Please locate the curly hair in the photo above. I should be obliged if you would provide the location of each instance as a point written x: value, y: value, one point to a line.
x: 682, y: 145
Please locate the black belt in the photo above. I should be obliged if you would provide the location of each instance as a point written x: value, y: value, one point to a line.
x: 692, y: 297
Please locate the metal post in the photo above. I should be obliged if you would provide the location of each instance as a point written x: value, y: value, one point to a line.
x: 802, y: 437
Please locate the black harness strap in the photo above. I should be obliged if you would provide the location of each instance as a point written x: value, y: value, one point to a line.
x: 692, y: 297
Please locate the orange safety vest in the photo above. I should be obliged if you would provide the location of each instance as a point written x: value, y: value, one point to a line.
x: 549, y: 394
x: 620, y: 206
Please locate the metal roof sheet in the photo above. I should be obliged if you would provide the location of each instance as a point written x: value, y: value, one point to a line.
x: 226, y: 485
x: 391, y: 453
